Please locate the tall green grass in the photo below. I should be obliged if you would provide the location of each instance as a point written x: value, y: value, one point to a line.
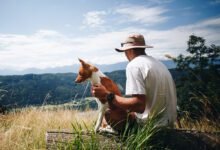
x: 139, y: 137
x: 87, y: 139
x: 142, y: 137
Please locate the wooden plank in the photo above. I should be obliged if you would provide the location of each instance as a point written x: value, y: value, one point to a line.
x: 65, y: 139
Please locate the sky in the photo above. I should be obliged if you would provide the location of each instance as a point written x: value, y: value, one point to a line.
x: 53, y: 33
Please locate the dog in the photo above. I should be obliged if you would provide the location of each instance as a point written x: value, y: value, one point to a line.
x: 88, y: 72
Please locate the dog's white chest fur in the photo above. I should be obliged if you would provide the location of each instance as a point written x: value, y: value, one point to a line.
x: 96, y: 80
x: 96, y: 77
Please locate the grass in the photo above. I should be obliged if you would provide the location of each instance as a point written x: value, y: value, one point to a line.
x: 203, y: 125
x: 141, y: 139
x: 26, y: 128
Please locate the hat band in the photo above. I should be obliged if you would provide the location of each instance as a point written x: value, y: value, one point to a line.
x: 125, y: 43
x: 131, y: 44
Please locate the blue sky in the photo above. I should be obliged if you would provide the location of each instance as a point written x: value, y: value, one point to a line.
x: 50, y: 33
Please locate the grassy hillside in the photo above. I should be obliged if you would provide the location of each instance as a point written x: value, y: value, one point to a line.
x: 26, y: 128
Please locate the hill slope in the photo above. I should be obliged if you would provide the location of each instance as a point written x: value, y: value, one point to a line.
x: 32, y: 89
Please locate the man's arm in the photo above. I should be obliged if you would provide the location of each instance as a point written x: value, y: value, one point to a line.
x: 136, y: 103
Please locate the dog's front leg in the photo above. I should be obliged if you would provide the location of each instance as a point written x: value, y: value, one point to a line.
x: 102, y: 109
x: 99, y: 121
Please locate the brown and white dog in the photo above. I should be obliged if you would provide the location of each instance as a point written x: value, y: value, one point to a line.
x: 96, y: 77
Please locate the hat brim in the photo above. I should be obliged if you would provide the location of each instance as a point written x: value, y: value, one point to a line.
x: 130, y: 47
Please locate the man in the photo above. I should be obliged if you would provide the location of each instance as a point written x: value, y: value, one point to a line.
x: 149, y: 85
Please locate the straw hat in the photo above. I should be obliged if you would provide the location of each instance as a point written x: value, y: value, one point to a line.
x: 133, y: 41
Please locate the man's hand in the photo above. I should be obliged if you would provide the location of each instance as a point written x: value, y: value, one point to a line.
x: 100, y: 92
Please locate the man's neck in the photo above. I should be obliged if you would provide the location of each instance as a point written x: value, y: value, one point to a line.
x: 136, y: 55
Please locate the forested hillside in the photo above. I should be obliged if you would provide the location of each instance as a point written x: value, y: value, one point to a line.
x: 32, y: 89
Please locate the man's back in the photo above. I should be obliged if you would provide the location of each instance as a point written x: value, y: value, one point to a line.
x: 148, y: 76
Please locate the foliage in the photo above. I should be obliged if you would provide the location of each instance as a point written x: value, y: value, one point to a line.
x: 144, y: 136
x: 32, y: 89
x: 198, y: 89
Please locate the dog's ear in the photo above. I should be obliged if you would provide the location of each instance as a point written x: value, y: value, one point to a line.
x: 82, y: 62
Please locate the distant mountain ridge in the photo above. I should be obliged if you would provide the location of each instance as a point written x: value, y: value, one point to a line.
x: 74, y: 68
x: 40, y: 89
x: 59, y: 88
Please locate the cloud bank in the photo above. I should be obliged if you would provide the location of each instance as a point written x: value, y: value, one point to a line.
x: 50, y: 48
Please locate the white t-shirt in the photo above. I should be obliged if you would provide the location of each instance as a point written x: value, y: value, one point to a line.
x: 148, y: 76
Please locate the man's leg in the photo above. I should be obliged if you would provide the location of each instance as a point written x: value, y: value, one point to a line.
x: 118, y: 118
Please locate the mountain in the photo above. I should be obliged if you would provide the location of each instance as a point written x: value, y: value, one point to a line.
x: 34, y: 89
x: 74, y: 68
x: 169, y: 64
x: 39, y: 89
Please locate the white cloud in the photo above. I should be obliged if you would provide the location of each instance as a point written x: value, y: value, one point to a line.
x: 94, y: 19
x: 141, y: 14
x: 47, y: 48
x: 160, y: 1
x: 174, y: 41
x: 210, y: 23
x: 215, y: 2
x: 125, y: 14
x: 42, y: 49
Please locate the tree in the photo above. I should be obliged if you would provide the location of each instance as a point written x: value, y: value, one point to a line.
x: 2, y: 107
x: 198, y: 89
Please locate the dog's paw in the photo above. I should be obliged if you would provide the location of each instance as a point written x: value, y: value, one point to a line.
x: 107, y: 129
x: 96, y: 130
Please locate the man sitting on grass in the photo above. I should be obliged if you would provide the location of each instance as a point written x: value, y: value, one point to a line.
x: 149, y: 85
